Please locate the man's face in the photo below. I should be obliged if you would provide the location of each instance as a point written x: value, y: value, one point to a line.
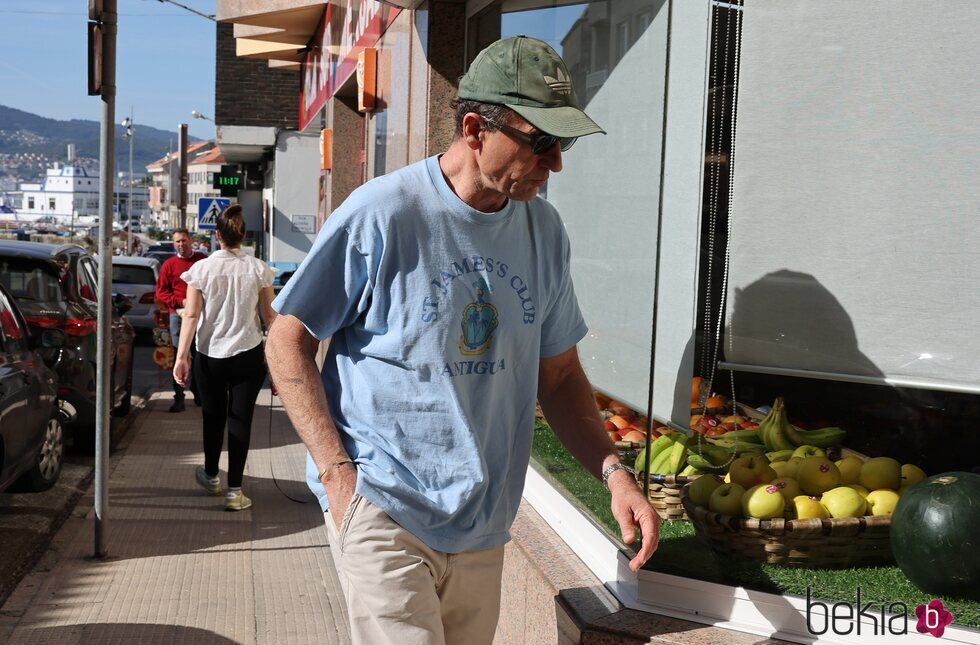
x: 510, y: 168
x: 182, y: 243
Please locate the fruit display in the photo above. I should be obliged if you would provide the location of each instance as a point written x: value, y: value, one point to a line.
x: 807, y: 484
x: 626, y: 428
x: 934, y: 534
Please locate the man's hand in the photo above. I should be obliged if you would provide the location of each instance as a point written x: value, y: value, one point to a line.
x: 631, y: 509
x: 339, y: 483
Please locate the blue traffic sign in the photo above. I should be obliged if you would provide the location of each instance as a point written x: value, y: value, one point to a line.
x: 208, y: 209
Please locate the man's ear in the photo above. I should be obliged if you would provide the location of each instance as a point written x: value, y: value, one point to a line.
x: 472, y: 130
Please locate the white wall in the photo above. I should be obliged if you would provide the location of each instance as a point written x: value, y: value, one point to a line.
x: 297, y: 169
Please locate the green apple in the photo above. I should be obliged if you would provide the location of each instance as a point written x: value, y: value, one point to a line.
x: 763, y: 502
x: 788, y: 486
x: 701, y: 488
x: 850, y: 469
x: 809, y: 451
x: 911, y: 474
x: 844, y: 501
x: 881, y: 472
x: 783, y: 468
x: 882, y: 501
x: 809, y: 507
x: 818, y: 474
x: 751, y: 470
x: 727, y: 500
x: 791, y: 467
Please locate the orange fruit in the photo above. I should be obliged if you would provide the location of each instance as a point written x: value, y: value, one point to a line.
x: 696, y: 388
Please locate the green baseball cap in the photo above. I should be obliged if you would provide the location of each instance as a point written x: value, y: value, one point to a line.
x: 529, y: 77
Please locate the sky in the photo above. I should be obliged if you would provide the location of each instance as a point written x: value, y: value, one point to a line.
x: 164, y: 64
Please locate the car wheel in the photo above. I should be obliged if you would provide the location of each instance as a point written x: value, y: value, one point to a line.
x: 127, y: 403
x: 47, y: 465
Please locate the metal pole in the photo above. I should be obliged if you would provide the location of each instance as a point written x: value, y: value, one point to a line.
x: 182, y: 167
x: 107, y: 152
x: 129, y: 204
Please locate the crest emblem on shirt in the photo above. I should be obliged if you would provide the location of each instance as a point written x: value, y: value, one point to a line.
x: 479, y: 322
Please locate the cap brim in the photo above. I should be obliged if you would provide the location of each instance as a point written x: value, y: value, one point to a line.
x: 566, y: 121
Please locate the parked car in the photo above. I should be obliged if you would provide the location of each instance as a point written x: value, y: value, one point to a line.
x: 136, y: 277
x: 159, y: 255
x: 31, y: 426
x: 56, y: 287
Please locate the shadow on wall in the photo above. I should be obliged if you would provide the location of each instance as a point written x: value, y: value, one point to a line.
x: 794, y: 321
x: 287, y: 236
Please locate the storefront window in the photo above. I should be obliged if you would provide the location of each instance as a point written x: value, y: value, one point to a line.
x: 608, y: 189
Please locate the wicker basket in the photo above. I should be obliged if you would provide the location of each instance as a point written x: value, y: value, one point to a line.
x: 665, y: 495
x: 816, y: 543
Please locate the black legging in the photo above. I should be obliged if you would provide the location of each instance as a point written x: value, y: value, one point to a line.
x: 228, y: 388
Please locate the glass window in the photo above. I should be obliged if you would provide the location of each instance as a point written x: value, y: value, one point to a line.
x: 51, y: 203
x: 88, y: 281
x: 11, y: 328
x: 609, y: 183
x: 126, y: 274
x: 28, y: 281
x: 30, y: 203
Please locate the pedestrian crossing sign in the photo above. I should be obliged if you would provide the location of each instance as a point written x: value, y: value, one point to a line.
x: 208, y: 209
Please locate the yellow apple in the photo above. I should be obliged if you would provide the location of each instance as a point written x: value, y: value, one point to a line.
x: 763, y: 502
x: 809, y: 507
x: 751, y: 470
x: 850, y: 469
x: 727, y: 500
x: 728, y: 478
x: 788, y: 486
x: 911, y: 474
x: 882, y: 501
x: 818, y: 474
x: 881, y: 472
x: 701, y: 488
x: 863, y: 492
x: 809, y: 451
x: 844, y: 501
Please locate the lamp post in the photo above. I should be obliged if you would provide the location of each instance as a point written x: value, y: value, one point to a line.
x: 128, y: 134
x: 198, y: 115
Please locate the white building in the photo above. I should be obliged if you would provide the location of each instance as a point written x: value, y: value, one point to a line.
x: 70, y: 190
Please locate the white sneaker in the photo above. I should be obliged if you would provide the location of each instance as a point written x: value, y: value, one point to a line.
x: 236, y: 501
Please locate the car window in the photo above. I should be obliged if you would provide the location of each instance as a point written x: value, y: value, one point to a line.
x: 128, y: 274
x: 29, y: 281
x: 11, y: 329
x: 88, y: 281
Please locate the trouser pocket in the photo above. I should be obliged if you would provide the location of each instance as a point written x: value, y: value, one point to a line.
x: 345, y: 523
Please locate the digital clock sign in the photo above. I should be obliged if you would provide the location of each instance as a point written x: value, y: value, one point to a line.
x: 229, y: 181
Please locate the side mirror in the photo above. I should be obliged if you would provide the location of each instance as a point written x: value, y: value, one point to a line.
x: 121, y: 303
x: 53, y: 338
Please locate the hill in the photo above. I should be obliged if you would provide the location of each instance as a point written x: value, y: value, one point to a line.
x: 23, y: 133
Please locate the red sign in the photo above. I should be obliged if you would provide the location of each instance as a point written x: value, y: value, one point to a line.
x: 342, y: 34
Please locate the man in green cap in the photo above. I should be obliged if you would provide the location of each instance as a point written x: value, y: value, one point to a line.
x: 444, y: 288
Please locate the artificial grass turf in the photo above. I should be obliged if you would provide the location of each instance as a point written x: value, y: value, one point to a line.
x: 680, y: 553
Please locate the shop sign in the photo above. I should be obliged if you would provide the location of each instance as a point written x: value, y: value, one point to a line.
x: 343, y: 33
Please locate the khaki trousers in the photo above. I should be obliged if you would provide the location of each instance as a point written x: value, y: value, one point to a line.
x: 399, y: 591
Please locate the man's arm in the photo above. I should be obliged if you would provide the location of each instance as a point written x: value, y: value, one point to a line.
x: 290, y: 351
x: 165, y: 287
x: 568, y: 403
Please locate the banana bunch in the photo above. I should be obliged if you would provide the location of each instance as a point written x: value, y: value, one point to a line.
x: 708, y: 458
x: 778, y: 434
x: 668, y: 455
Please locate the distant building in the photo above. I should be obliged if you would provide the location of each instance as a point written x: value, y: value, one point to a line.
x: 165, y: 183
x: 70, y: 191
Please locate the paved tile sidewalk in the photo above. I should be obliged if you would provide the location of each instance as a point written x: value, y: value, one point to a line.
x: 180, y: 568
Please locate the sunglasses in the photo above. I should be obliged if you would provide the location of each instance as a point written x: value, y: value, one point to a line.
x: 540, y: 143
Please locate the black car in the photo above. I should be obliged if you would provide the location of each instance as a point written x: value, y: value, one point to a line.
x: 31, y: 428
x: 56, y: 288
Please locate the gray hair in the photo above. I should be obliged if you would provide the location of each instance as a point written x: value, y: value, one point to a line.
x: 493, y: 112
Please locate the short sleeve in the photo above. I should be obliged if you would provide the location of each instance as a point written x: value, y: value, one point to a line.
x: 267, y: 274
x: 194, y: 276
x: 332, y: 286
x: 563, y: 325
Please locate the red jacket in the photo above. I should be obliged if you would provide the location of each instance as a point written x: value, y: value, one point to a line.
x: 171, y: 290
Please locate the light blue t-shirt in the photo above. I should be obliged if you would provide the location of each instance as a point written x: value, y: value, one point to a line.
x: 439, y: 315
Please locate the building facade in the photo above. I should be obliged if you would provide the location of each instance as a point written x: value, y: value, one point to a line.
x: 70, y: 192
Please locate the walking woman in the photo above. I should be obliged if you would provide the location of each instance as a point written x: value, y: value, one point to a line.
x: 226, y: 293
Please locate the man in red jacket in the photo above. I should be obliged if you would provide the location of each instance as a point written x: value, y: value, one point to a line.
x: 172, y: 291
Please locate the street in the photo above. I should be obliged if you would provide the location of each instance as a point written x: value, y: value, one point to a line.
x: 28, y: 520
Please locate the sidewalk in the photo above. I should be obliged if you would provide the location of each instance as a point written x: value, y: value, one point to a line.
x: 180, y: 568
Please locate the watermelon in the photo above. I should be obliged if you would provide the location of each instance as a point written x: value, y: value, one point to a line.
x: 934, y: 534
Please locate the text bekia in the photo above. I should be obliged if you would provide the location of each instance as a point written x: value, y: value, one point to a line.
x: 842, y: 618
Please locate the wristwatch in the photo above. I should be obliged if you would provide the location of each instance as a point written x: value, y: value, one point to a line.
x: 611, y: 468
